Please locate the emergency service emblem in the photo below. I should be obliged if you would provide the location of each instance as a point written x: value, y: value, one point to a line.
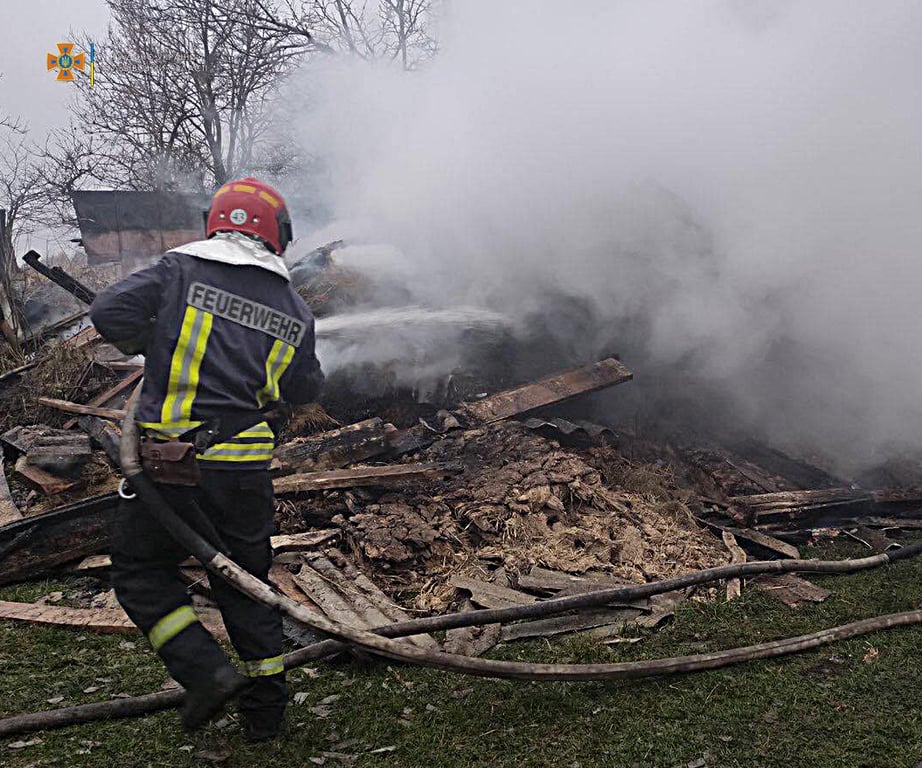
x: 238, y: 216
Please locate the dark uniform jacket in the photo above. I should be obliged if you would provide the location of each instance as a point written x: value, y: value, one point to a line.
x: 220, y: 340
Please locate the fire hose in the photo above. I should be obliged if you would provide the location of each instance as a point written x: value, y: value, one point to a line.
x: 380, y: 642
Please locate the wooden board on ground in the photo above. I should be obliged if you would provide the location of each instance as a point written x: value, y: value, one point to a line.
x: 93, y: 563
x: 295, y: 631
x: 560, y: 625
x: 283, y: 580
x: 737, y: 556
x: 334, y: 448
x: 107, y: 397
x: 382, y: 602
x: 471, y: 641
x: 9, y: 512
x: 83, y: 410
x: 546, y: 581
x: 298, y: 542
x: 103, y: 620
x: 358, y: 476
x: 40, y: 480
x: 367, y: 603
x: 489, y: 595
x: 547, y: 391
x: 791, y: 590
x: 333, y: 605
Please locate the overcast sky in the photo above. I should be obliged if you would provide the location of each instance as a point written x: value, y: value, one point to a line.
x: 29, y: 31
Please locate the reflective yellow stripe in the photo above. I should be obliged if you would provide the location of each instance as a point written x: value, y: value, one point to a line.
x: 171, y: 625
x: 169, y: 426
x: 168, y: 430
x: 239, y: 452
x: 264, y: 667
x: 276, y: 364
x: 269, y: 199
x: 262, y: 430
x: 185, y: 366
x: 244, y: 188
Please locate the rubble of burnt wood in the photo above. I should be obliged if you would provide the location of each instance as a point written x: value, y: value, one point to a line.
x: 518, y: 501
x: 391, y: 507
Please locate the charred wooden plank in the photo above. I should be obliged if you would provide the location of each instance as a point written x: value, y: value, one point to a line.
x: 358, y: 476
x: 333, y: 449
x: 103, y: 433
x: 20, y: 439
x: 83, y: 410
x: 62, y: 453
x: 40, y: 480
x: 721, y: 478
x: 764, y: 502
x: 410, y: 440
x: 547, y: 391
x: 36, y: 545
x: 756, y: 542
x: 57, y: 275
x: 796, y: 473
x: 823, y: 508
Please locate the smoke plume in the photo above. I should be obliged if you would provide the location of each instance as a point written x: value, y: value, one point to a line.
x: 731, y: 190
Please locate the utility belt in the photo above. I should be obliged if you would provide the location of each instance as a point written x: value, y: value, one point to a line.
x: 174, y: 461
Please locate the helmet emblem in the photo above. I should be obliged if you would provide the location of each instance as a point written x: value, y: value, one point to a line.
x: 238, y: 216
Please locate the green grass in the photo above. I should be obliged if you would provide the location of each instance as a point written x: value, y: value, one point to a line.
x: 835, y: 707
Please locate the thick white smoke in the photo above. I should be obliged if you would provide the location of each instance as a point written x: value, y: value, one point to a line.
x: 737, y: 182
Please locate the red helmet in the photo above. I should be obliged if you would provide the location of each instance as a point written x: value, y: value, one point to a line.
x: 252, y: 207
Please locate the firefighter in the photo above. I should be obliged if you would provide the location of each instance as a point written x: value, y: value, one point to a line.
x: 224, y: 337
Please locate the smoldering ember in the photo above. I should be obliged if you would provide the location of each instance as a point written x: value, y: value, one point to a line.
x: 604, y: 400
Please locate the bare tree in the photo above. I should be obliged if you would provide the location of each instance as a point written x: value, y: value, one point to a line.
x: 183, y: 90
x: 402, y: 30
x: 22, y: 194
x: 71, y: 159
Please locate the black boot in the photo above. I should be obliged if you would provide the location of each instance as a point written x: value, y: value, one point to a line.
x: 265, y: 726
x: 206, y: 699
x: 262, y: 708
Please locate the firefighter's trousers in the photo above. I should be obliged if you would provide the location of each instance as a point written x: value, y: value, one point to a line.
x: 237, y: 507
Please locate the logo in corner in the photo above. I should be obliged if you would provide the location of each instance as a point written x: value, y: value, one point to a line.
x: 67, y: 61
